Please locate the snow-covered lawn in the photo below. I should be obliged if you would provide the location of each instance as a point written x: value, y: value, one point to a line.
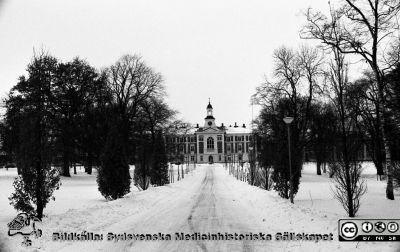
x: 207, y: 200
x: 316, y: 192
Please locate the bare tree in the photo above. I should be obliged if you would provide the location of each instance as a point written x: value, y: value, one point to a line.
x: 296, y: 73
x: 367, y: 31
x: 154, y: 115
x: 356, y: 187
x: 296, y: 80
x: 365, y: 101
x: 349, y: 186
x: 131, y: 83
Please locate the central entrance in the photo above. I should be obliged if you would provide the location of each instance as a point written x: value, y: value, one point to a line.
x: 210, y: 159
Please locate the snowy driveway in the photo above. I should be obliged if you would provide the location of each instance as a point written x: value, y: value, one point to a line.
x: 206, y: 201
x: 206, y: 205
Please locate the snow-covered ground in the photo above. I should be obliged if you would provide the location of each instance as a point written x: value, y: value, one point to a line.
x: 316, y: 192
x: 206, y: 200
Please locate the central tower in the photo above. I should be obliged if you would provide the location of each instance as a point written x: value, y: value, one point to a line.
x: 209, y: 121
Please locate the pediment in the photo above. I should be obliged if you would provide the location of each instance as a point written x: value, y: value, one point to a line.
x: 212, y: 130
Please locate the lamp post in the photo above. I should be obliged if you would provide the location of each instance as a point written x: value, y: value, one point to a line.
x: 288, y: 120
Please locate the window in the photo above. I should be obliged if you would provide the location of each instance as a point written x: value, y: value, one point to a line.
x: 191, y: 148
x: 191, y: 158
x: 201, y: 158
x: 201, y: 139
x: 201, y: 147
x: 219, y: 138
x: 219, y: 158
x: 210, y: 143
x: 219, y: 147
x: 228, y: 148
x: 247, y: 138
x: 239, y: 147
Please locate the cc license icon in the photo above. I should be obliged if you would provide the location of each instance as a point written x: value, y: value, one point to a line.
x: 349, y: 230
x: 380, y: 226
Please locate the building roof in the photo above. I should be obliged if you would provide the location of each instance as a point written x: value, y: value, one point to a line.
x: 209, y: 106
x: 215, y: 129
x: 228, y: 130
x: 238, y: 130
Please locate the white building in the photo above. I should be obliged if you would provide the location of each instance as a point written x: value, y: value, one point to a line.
x: 212, y: 143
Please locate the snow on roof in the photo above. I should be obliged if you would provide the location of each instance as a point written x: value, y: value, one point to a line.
x: 238, y: 130
x: 191, y: 131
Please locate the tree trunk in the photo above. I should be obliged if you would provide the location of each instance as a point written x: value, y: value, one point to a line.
x: 388, y: 157
x: 89, y: 163
x: 318, y: 168
x: 65, y: 167
x: 286, y: 190
x: 39, y: 185
x: 266, y: 180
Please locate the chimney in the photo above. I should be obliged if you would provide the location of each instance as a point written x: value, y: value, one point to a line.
x: 197, y: 125
x: 235, y: 125
x: 244, y: 125
x: 230, y: 125
x: 222, y: 124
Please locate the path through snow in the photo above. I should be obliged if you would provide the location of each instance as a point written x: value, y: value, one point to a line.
x: 207, y: 200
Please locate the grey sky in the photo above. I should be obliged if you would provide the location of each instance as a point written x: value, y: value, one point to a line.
x: 209, y: 48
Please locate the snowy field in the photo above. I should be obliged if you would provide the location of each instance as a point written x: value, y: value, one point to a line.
x: 206, y: 200
x: 316, y: 192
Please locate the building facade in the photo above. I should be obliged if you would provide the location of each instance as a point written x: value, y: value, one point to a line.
x: 212, y: 143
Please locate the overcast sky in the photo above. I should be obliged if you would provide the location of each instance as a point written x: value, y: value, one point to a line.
x: 204, y: 49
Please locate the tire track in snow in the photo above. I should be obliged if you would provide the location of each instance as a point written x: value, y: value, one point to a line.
x: 207, y: 185
x: 209, y: 215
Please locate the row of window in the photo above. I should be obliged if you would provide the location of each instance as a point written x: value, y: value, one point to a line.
x: 238, y: 138
x: 228, y: 158
x: 201, y: 158
x: 192, y: 139
x: 182, y: 148
x: 239, y: 147
x: 230, y: 147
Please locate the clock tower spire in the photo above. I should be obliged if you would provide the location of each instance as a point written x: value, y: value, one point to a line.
x: 209, y: 121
